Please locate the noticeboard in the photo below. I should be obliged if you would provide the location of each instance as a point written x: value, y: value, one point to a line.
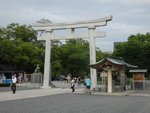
x: 138, y: 76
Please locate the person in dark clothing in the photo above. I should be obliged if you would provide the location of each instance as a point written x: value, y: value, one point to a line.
x: 73, y: 85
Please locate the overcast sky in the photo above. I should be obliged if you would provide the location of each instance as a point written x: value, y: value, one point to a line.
x: 129, y: 16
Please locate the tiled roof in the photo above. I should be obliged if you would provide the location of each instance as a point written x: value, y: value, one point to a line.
x: 138, y: 71
x: 114, y: 60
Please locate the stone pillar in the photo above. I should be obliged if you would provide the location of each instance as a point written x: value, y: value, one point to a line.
x: 92, y: 56
x: 47, y: 76
x: 109, y: 78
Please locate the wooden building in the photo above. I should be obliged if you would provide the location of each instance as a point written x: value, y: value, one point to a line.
x: 138, y: 78
x: 114, y: 70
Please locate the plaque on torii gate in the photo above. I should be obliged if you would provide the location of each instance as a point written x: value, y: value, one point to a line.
x: 47, y: 34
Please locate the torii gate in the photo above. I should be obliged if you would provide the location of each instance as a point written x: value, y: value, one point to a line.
x: 48, y: 35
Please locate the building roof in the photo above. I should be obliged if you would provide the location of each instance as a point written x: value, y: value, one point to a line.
x: 114, y: 60
x: 138, y: 70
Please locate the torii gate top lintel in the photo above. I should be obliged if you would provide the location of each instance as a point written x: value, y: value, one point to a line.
x: 80, y: 24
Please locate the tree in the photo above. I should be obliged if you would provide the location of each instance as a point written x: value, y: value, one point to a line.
x: 72, y: 57
x: 136, y: 50
x: 7, y: 50
x: 15, y: 31
x: 100, y: 55
x: 27, y: 56
x: 23, y: 55
x: 19, y: 48
x: 2, y: 33
x: 56, y: 59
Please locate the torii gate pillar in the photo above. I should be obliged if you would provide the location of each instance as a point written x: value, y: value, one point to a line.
x: 47, y: 63
x: 92, y: 56
x: 48, y: 35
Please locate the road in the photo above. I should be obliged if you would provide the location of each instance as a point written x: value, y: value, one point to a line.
x: 77, y: 103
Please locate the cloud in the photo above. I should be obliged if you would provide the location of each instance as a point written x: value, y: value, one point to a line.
x: 127, y: 28
x: 135, y: 2
x: 104, y: 45
x: 129, y: 16
x: 124, y: 2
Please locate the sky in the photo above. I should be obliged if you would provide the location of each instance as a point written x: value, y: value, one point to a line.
x: 129, y: 16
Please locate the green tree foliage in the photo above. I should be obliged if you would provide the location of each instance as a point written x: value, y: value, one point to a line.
x: 27, y: 56
x: 56, y: 59
x: 136, y: 50
x: 7, y: 50
x: 2, y: 33
x: 72, y: 57
x: 15, y: 31
x: 100, y: 55
x: 18, y: 47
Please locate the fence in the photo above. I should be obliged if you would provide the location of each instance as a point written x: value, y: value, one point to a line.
x: 141, y: 85
x: 65, y: 84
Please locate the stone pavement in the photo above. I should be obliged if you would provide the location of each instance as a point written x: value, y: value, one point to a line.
x: 22, y: 94
x: 32, y: 93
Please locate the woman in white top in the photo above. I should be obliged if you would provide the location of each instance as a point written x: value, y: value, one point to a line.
x: 13, y: 85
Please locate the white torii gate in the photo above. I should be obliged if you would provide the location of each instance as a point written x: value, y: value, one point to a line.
x: 47, y: 35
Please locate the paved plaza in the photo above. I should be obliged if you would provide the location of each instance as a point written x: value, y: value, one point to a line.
x: 57, y: 100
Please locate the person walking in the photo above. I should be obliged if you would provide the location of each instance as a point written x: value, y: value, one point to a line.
x: 88, y: 85
x: 13, y: 85
x: 73, y: 85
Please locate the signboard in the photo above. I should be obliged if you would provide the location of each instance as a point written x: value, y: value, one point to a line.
x: 103, y: 74
x: 138, y: 76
